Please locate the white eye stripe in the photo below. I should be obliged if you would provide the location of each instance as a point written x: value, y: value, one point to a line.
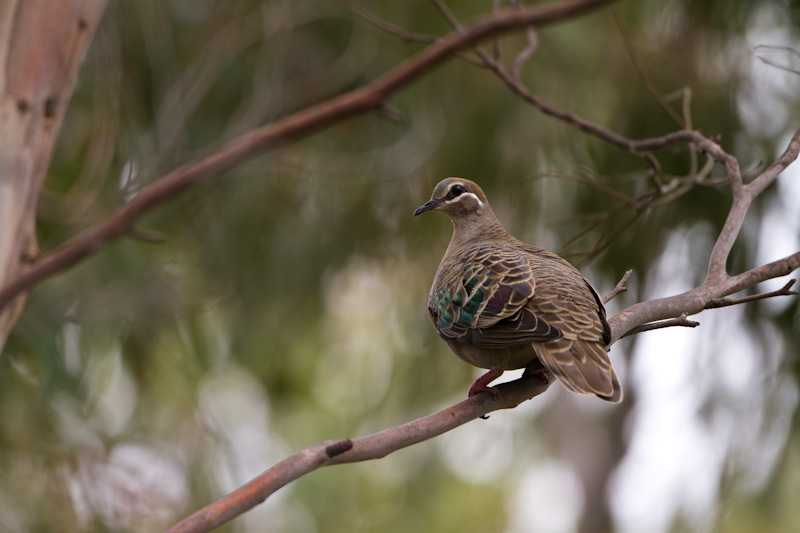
x: 464, y: 195
x: 450, y: 188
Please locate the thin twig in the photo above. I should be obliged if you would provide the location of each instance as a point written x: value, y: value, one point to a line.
x: 599, y: 187
x: 651, y: 87
x: 778, y: 65
x: 688, y: 124
x: 600, y: 244
x: 528, y: 51
x: 442, y: 7
x: 793, y: 51
x: 483, y: 57
x: 525, y: 53
x: 681, y: 321
x: 409, y: 37
x: 622, y: 286
x: 725, y: 302
x: 497, y: 51
x: 147, y: 235
x: 406, y: 36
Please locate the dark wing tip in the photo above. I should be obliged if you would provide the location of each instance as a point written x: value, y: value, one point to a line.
x: 617, y: 394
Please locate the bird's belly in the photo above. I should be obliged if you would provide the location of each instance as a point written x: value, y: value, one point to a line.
x: 507, y: 358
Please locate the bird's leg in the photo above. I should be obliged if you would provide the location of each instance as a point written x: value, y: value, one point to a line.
x: 481, y: 383
x: 536, y: 368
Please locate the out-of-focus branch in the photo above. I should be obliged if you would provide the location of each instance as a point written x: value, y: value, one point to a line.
x: 391, y: 28
x: 651, y: 87
x: 293, y: 127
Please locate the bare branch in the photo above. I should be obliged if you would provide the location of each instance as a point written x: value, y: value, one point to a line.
x: 528, y: 51
x: 621, y: 287
x: 442, y: 7
x: 771, y: 173
x: 695, y: 300
x: 776, y: 269
x: 792, y: 51
x: 387, y: 27
x: 525, y: 53
x: 743, y: 195
x: 778, y: 65
x: 789, y: 49
x: 496, y: 50
x: 718, y: 283
x: 601, y: 243
x: 688, y: 124
x: 643, y: 75
x: 599, y: 187
x: 370, y: 447
x: 680, y: 321
x: 725, y: 302
x: 483, y: 58
x: 291, y: 128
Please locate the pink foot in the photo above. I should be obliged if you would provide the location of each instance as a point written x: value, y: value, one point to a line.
x: 480, y: 384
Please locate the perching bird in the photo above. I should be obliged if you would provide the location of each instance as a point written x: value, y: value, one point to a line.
x: 502, y: 304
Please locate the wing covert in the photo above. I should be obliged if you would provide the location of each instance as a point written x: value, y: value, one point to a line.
x: 485, y: 302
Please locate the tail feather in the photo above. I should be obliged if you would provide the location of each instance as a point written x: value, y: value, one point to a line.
x: 582, y: 366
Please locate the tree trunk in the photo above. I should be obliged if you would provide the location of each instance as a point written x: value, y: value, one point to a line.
x: 42, y: 44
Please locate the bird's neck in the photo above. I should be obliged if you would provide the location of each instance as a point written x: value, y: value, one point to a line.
x: 476, y: 227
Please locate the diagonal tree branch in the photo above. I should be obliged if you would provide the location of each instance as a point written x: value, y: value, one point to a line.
x: 293, y: 127
x: 366, y: 448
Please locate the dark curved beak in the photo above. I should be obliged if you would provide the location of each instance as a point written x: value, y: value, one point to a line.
x: 427, y: 206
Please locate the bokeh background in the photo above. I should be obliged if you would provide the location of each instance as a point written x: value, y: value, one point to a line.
x: 287, y: 303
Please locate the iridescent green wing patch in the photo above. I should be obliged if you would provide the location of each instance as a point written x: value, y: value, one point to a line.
x: 483, y: 299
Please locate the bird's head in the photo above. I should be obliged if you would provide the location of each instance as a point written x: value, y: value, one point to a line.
x: 457, y: 198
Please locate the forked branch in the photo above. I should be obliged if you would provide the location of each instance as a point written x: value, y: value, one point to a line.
x: 725, y: 302
x: 622, y: 286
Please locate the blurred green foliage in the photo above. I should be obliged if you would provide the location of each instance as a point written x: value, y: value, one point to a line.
x: 287, y: 305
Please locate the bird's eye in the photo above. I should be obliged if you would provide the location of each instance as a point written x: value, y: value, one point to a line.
x: 456, y: 189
